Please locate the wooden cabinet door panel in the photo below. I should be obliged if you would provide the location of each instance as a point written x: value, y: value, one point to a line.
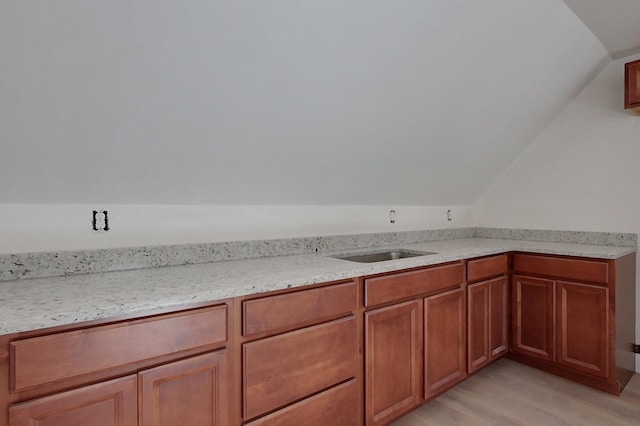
x: 112, y: 403
x: 583, y: 328
x: 533, y: 317
x: 335, y: 406
x: 393, y: 337
x: 499, y: 317
x: 632, y: 85
x: 478, y: 325
x: 285, y: 368
x: 190, y: 392
x: 444, y: 341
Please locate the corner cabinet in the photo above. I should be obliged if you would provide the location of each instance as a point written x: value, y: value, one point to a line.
x: 574, y: 317
x: 632, y: 87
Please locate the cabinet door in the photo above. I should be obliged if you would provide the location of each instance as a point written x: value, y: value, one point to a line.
x: 499, y: 317
x: 112, y: 403
x: 582, y: 327
x: 632, y: 85
x: 190, y: 392
x: 393, y: 338
x: 444, y: 341
x: 533, y: 317
x: 478, y: 325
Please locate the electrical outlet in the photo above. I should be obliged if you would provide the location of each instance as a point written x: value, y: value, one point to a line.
x: 100, y: 221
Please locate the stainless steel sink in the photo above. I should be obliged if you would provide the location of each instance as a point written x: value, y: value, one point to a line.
x: 381, y: 256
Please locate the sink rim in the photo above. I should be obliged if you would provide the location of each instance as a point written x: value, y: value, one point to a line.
x: 371, y: 256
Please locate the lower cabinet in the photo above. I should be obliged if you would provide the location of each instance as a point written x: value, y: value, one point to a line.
x: 533, y: 317
x: 444, y: 341
x: 582, y: 313
x: 192, y: 391
x: 393, y: 337
x: 487, y: 322
x: 112, y: 403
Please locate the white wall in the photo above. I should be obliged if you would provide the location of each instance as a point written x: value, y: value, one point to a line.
x: 287, y: 102
x: 30, y: 228
x: 582, y: 173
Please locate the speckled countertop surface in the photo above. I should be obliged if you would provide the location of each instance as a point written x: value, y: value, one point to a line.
x: 48, y: 302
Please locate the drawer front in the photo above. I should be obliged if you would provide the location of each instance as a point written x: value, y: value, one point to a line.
x: 485, y: 268
x: 594, y: 271
x: 336, y: 406
x: 285, y: 368
x: 404, y: 285
x: 298, y: 309
x: 53, y: 358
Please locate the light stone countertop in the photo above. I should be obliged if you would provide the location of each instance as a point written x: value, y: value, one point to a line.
x: 47, y: 302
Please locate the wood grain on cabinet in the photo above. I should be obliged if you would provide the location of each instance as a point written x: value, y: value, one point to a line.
x: 582, y: 320
x: 499, y: 317
x: 534, y: 317
x: 405, y: 285
x: 282, y: 369
x: 95, y: 349
x: 585, y: 270
x: 478, y: 327
x: 289, y: 311
x: 487, y: 267
x: 632, y: 86
x: 193, y: 391
x: 111, y: 403
x: 444, y: 341
x: 334, y: 406
x: 393, y: 338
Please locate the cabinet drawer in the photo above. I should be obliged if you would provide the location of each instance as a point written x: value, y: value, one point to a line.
x: 336, y: 406
x: 298, y: 309
x: 488, y: 267
x: 61, y: 356
x: 595, y: 271
x: 285, y: 368
x: 404, y: 285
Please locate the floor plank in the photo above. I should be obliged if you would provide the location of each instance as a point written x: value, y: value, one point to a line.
x: 509, y: 393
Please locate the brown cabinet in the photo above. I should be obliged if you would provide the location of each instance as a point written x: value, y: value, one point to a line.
x: 534, y: 317
x: 192, y: 391
x: 632, y: 87
x: 574, y: 317
x: 301, y: 359
x: 582, y: 315
x: 487, y: 311
x: 171, y: 375
x: 393, y: 337
x: 444, y: 341
x: 111, y: 403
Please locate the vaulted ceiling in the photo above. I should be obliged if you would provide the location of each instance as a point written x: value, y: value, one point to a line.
x: 615, y: 22
x: 417, y: 102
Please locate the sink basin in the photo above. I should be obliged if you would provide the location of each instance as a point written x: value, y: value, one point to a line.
x: 381, y: 256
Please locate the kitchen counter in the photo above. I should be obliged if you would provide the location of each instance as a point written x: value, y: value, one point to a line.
x: 48, y: 302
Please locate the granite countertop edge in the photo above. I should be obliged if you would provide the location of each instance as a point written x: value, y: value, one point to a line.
x: 41, y: 303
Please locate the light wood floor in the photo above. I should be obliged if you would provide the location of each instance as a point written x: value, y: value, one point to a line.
x: 509, y: 393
